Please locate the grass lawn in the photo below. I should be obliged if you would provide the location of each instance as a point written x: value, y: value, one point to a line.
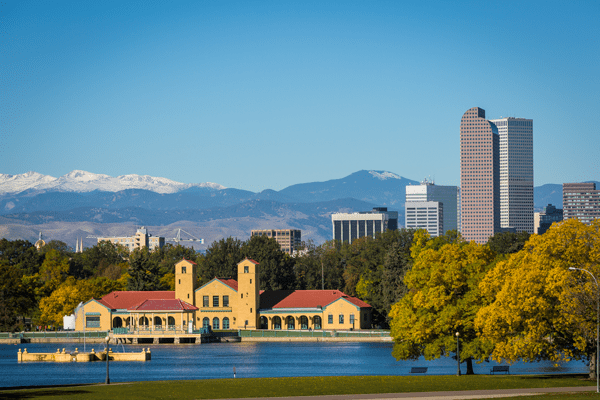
x: 304, y: 386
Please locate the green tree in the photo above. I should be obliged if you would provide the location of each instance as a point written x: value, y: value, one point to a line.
x: 508, y: 242
x: 276, y: 267
x: 22, y: 255
x: 221, y: 260
x: 105, y: 258
x: 15, y: 297
x: 53, y: 272
x: 143, y: 272
x: 443, y: 298
x: 534, y: 312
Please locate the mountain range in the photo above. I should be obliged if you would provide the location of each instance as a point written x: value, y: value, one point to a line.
x: 81, y: 204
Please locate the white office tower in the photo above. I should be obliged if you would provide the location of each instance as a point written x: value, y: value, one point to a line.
x: 428, y: 191
x: 427, y: 215
x: 516, y: 173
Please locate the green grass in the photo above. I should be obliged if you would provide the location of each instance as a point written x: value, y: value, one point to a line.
x: 299, y: 386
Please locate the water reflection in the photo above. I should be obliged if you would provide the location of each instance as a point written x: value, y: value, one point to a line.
x: 216, y: 360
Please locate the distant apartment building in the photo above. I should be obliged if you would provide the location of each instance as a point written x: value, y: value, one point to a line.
x: 137, y: 241
x: 428, y: 215
x: 289, y: 239
x: 581, y: 201
x: 544, y: 219
x: 428, y: 191
x: 516, y: 173
x: 351, y: 226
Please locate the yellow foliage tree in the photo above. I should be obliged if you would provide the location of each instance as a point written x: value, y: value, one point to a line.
x: 535, y: 310
x: 442, y: 299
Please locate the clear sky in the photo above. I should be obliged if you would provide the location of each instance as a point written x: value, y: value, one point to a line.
x: 265, y: 94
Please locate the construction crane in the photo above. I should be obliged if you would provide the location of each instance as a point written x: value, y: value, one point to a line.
x: 178, y: 238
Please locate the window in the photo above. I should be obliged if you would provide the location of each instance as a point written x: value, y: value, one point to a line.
x: 246, y: 269
x: 180, y: 281
x: 317, y: 322
x: 330, y: 319
x: 215, y: 323
x: 341, y: 318
x: 205, y: 322
x: 225, y: 301
x: 92, y: 322
x: 351, y: 318
x: 215, y: 301
x: 276, y: 323
x: 250, y: 280
x: 204, y: 301
x: 225, y: 323
x: 183, y: 270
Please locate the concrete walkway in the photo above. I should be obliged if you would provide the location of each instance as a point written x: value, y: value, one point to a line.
x: 456, y: 395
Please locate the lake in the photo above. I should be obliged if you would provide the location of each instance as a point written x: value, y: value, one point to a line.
x: 251, y: 360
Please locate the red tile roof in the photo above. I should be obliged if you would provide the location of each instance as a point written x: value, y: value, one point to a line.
x: 163, y: 305
x: 125, y: 300
x: 252, y: 261
x: 304, y: 298
x: 190, y: 261
x: 232, y: 283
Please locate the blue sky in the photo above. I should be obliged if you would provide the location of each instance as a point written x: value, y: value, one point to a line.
x: 261, y: 94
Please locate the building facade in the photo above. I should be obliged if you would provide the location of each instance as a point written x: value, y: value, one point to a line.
x: 351, y: 226
x: 427, y: 215
x: 516, y: 173
x: 223, y: 303
x: 447, y: 195
x: 544, y: 219
x: 479, y: 176
x: 137, y: 241
x: 581, y: 201
x: 288, y: 239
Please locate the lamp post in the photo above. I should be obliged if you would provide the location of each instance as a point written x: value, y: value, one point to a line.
x: 457, y: 354
x: 107, y: 342
x: 597, y: 324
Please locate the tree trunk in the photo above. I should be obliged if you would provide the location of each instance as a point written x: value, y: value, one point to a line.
x: 470, y: 366
x: 593, y: 358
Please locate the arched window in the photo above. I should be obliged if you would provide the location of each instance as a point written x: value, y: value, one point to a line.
x: 264, y: 323
x: 143, y: 321
x: 206, y: 322
x: 158, y: 321
x: 317, y: 322
x: 303, y: 322
x: 171, y: 323
x: 291, y: 324
x: 225, y: 323
x: 215, y: 323
x: 276, y: 322
x: 117, y: 322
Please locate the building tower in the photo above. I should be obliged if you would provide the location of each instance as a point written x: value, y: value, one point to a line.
x: 516, y: 173
x: 428, y: 191
x: 249, y: 294
x: 581, y: 201
x: 351, y: 226
x: 479, y: 176
x: 185, y: 281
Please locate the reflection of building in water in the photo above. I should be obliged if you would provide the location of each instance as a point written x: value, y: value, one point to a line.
x: 40, y: 243
x: 137, y: 241
x: 223, y: 303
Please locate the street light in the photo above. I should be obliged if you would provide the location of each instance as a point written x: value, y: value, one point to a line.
x: 597, y: 324
x: 457, y: 354
x: 107, y: 342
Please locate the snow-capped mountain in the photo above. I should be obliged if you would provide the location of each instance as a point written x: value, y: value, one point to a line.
x: 82, y: 181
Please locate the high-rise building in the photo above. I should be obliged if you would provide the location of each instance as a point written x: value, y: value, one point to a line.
x: 139, y: 240
x: 516, y: 173
x: 351, y: 226
x: 479, y: 176
x: 288, y: 239
x: 581, y: 201
x: 428, y: 191
x: 428, y: 215
x: 544, y: 219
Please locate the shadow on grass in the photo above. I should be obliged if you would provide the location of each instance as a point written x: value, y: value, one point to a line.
x: 561, y: 376
x: 37, y: 393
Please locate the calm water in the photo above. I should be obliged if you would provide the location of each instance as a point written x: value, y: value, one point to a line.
x: 216, y: 360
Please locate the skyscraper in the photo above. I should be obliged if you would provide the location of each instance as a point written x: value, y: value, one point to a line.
x: 516, y: 173
x: 428, y: 191
x: 479, y: 176
x: 351, y: 226
x: 581, y: 201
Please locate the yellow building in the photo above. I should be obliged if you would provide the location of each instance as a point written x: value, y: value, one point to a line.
x: 224, y: 303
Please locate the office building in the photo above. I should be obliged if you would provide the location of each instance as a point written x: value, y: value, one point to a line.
x: 544, y: 219
x: 581, y: 201
x: 479, y: 176
x: 288, y: 239
x: 428, y: 191
x: 516, y: 173
x: 428, y: 215
x: 351, y: 226
x: 137, y: 241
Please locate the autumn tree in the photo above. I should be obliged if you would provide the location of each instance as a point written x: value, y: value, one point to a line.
x: 533, y: 313
x: 442, y: 299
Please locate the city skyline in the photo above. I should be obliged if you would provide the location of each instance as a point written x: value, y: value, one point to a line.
x: 196, y: 91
